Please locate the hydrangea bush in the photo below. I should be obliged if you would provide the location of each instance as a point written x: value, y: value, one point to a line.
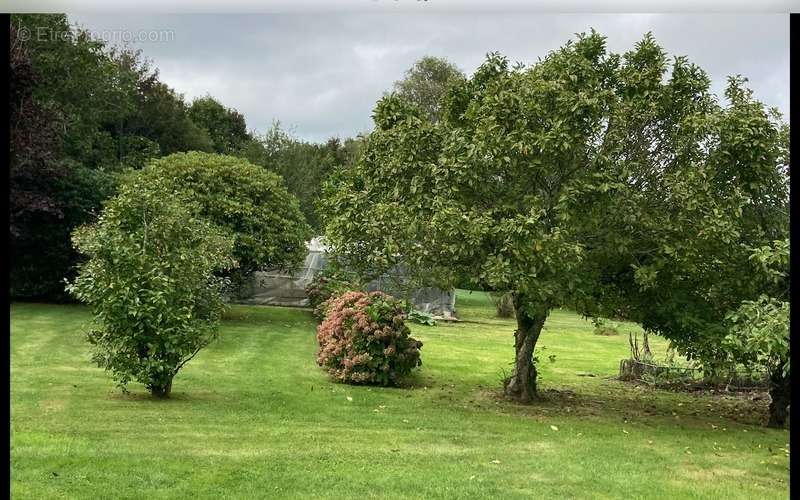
x: 364, y: 339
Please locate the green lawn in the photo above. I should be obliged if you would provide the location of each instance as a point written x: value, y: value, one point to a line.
x: 254, y: 417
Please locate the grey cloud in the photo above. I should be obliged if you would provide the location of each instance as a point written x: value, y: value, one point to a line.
x: 321, y: 75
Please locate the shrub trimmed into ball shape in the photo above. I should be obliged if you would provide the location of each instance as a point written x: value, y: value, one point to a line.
x: 364, y: 340
x: 269, y: 231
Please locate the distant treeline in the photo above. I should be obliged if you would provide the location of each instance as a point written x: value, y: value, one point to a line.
x: 83, y: 112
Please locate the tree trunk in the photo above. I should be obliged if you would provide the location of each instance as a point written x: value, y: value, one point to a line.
x: 521, y: 385
x: 161, y: 391
x: 780, y: 393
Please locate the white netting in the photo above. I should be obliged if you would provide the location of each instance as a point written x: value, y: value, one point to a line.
x: 288, y: 289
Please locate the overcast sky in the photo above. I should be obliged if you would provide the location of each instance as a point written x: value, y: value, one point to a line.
x: 321, y: 75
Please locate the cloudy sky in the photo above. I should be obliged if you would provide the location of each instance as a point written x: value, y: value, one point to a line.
x: 321, y: 75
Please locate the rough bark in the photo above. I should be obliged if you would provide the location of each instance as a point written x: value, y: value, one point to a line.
x: 521, y: 385
x: 161, y: 391
x: 780, y: 393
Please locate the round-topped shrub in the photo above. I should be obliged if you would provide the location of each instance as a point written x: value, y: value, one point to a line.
x: 364, y: 340
x: 251, y: 203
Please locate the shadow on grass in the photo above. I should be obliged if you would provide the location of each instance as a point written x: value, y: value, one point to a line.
x: 407, y: 384
x: 615, y: 400
x: 176, y: 397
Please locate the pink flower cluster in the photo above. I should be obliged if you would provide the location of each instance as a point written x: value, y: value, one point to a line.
x: 364, y: 339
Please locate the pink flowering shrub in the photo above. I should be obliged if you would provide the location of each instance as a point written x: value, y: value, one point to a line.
x: 364, y: 339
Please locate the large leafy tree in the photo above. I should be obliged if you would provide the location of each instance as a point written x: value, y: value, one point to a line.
x: 427, y: 82
x: 558, y: 181
x: 55, y: 179
x: 710, y: 236
x: 225, y: 127
x: 82, y: 112
x: 34, y: 143
x: 304, y: 165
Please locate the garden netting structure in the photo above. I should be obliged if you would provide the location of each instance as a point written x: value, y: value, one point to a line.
x: 288, y: 288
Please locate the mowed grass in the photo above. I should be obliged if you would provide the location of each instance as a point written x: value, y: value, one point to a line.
x: 254, y: 417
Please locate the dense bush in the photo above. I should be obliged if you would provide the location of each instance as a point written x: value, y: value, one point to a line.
x: 150, y: 282
x: 250, y: 202
x: 326, y: 284
x: 364, y: 339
